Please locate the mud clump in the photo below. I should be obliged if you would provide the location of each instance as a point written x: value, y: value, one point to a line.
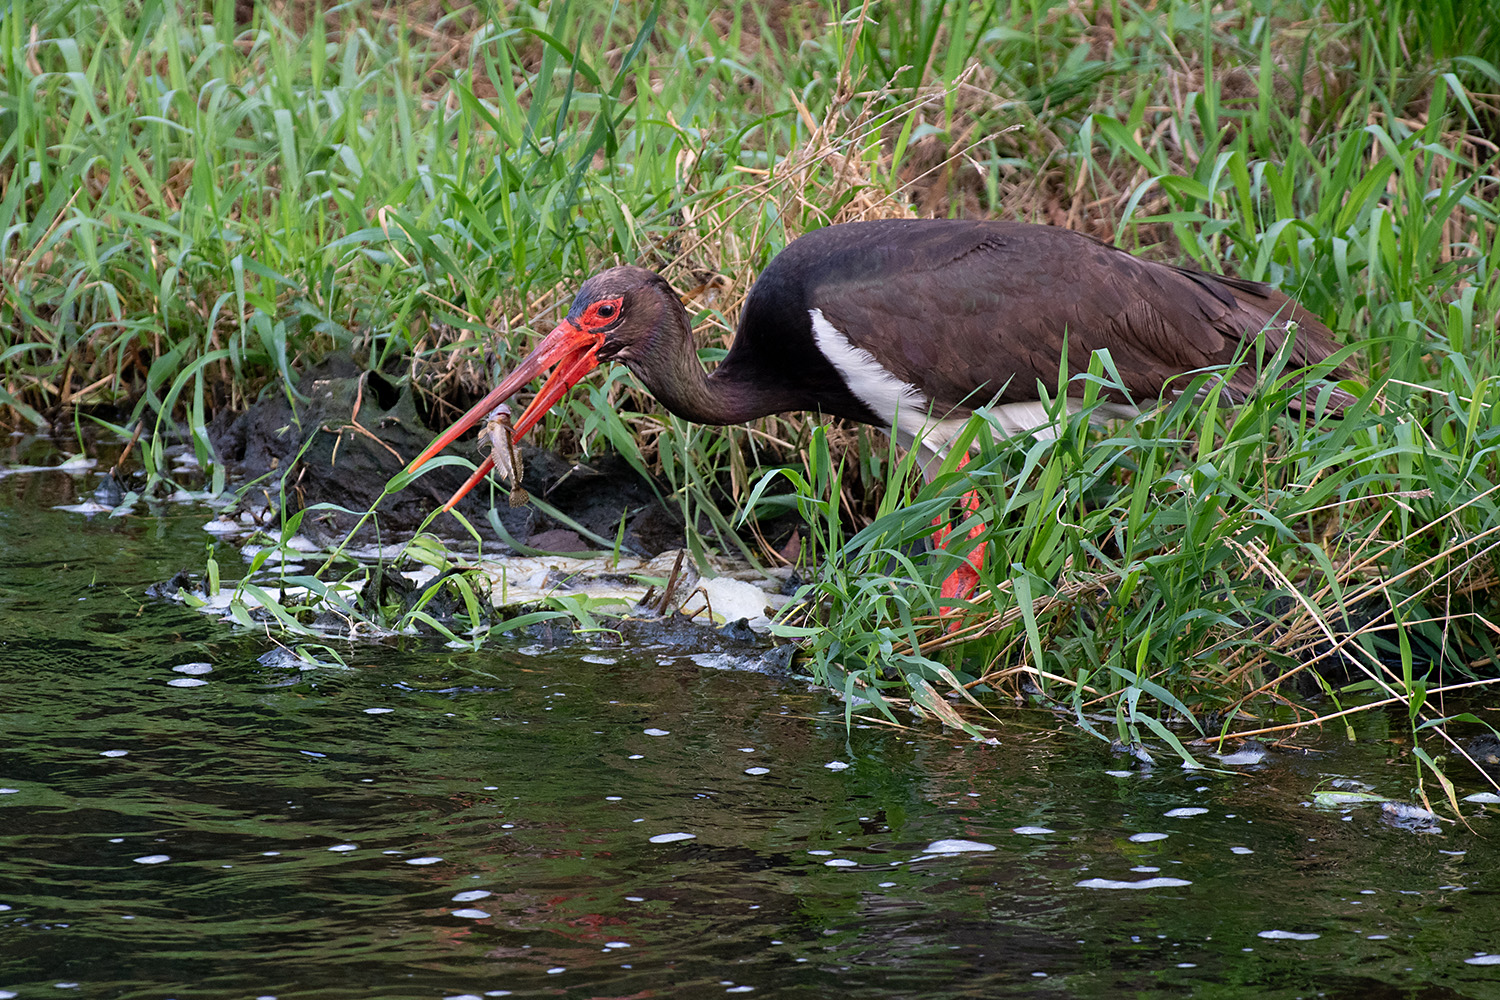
x: 344, y: 432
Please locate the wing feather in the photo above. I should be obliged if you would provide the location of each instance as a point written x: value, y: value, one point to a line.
x: 969, y: 311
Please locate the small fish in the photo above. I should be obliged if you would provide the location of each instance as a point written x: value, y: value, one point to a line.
x: 497, y: 434
x: 507, y: 459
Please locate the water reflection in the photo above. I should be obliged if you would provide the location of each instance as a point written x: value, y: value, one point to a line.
x: 433, y: 823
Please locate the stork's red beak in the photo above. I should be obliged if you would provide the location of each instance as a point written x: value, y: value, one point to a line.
x: 572, y: 350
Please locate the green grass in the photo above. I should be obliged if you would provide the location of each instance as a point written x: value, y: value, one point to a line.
x: 191, y: 210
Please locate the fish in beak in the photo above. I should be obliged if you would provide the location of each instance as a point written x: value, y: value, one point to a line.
x: 570, y: 351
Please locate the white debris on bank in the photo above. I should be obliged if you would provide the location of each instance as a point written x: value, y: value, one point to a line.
x: 734, y: 591
x: 610, y: 585
x: 728, y: 600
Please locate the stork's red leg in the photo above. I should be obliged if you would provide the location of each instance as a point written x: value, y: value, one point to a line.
x: 962, y: 581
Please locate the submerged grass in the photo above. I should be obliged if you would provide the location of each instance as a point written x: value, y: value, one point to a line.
x: 193, y: 207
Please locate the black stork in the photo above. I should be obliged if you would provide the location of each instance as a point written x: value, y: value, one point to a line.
x: 909, y: 325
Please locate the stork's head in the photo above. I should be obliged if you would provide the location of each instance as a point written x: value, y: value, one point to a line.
x: 614, y: 313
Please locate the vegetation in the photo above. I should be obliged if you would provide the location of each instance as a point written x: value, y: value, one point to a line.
x: 196, y: 203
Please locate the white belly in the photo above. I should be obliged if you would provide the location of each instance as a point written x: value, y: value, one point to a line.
x: 909, y: 413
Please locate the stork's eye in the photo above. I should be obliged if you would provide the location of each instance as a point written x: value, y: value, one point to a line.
x: 599, y: 314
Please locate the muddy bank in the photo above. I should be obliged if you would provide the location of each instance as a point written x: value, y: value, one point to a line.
x: 352, y: 430
x: 348, y: 432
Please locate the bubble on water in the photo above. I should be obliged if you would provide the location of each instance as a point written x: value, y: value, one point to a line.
x: 471, y: 914
x: 1145, y: 883
x: 1184, y: 812
x: 1146, y: 838
x: 757, y: 770
x: 194, y: 668
x: 657, y: 732
x: 113, y: 753
x: 152, y: 859
x: 617, y: 944
x: 1032, y: 831
x: 469, y: 895
x: 344, y: 847
x: 1278, y: 935
x: 379, y: 711
x: 423, y: 861
x: 957, y: 846
x: 669, y: 838
x: 1240, y: 850
x: 836, y: 765
x: 1483, y: 960
x: 841, y: 863
x: 186, y: 682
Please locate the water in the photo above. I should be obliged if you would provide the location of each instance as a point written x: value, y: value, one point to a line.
x: 602, y: 822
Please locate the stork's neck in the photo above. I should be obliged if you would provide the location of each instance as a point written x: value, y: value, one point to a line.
x: 667, y: 362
